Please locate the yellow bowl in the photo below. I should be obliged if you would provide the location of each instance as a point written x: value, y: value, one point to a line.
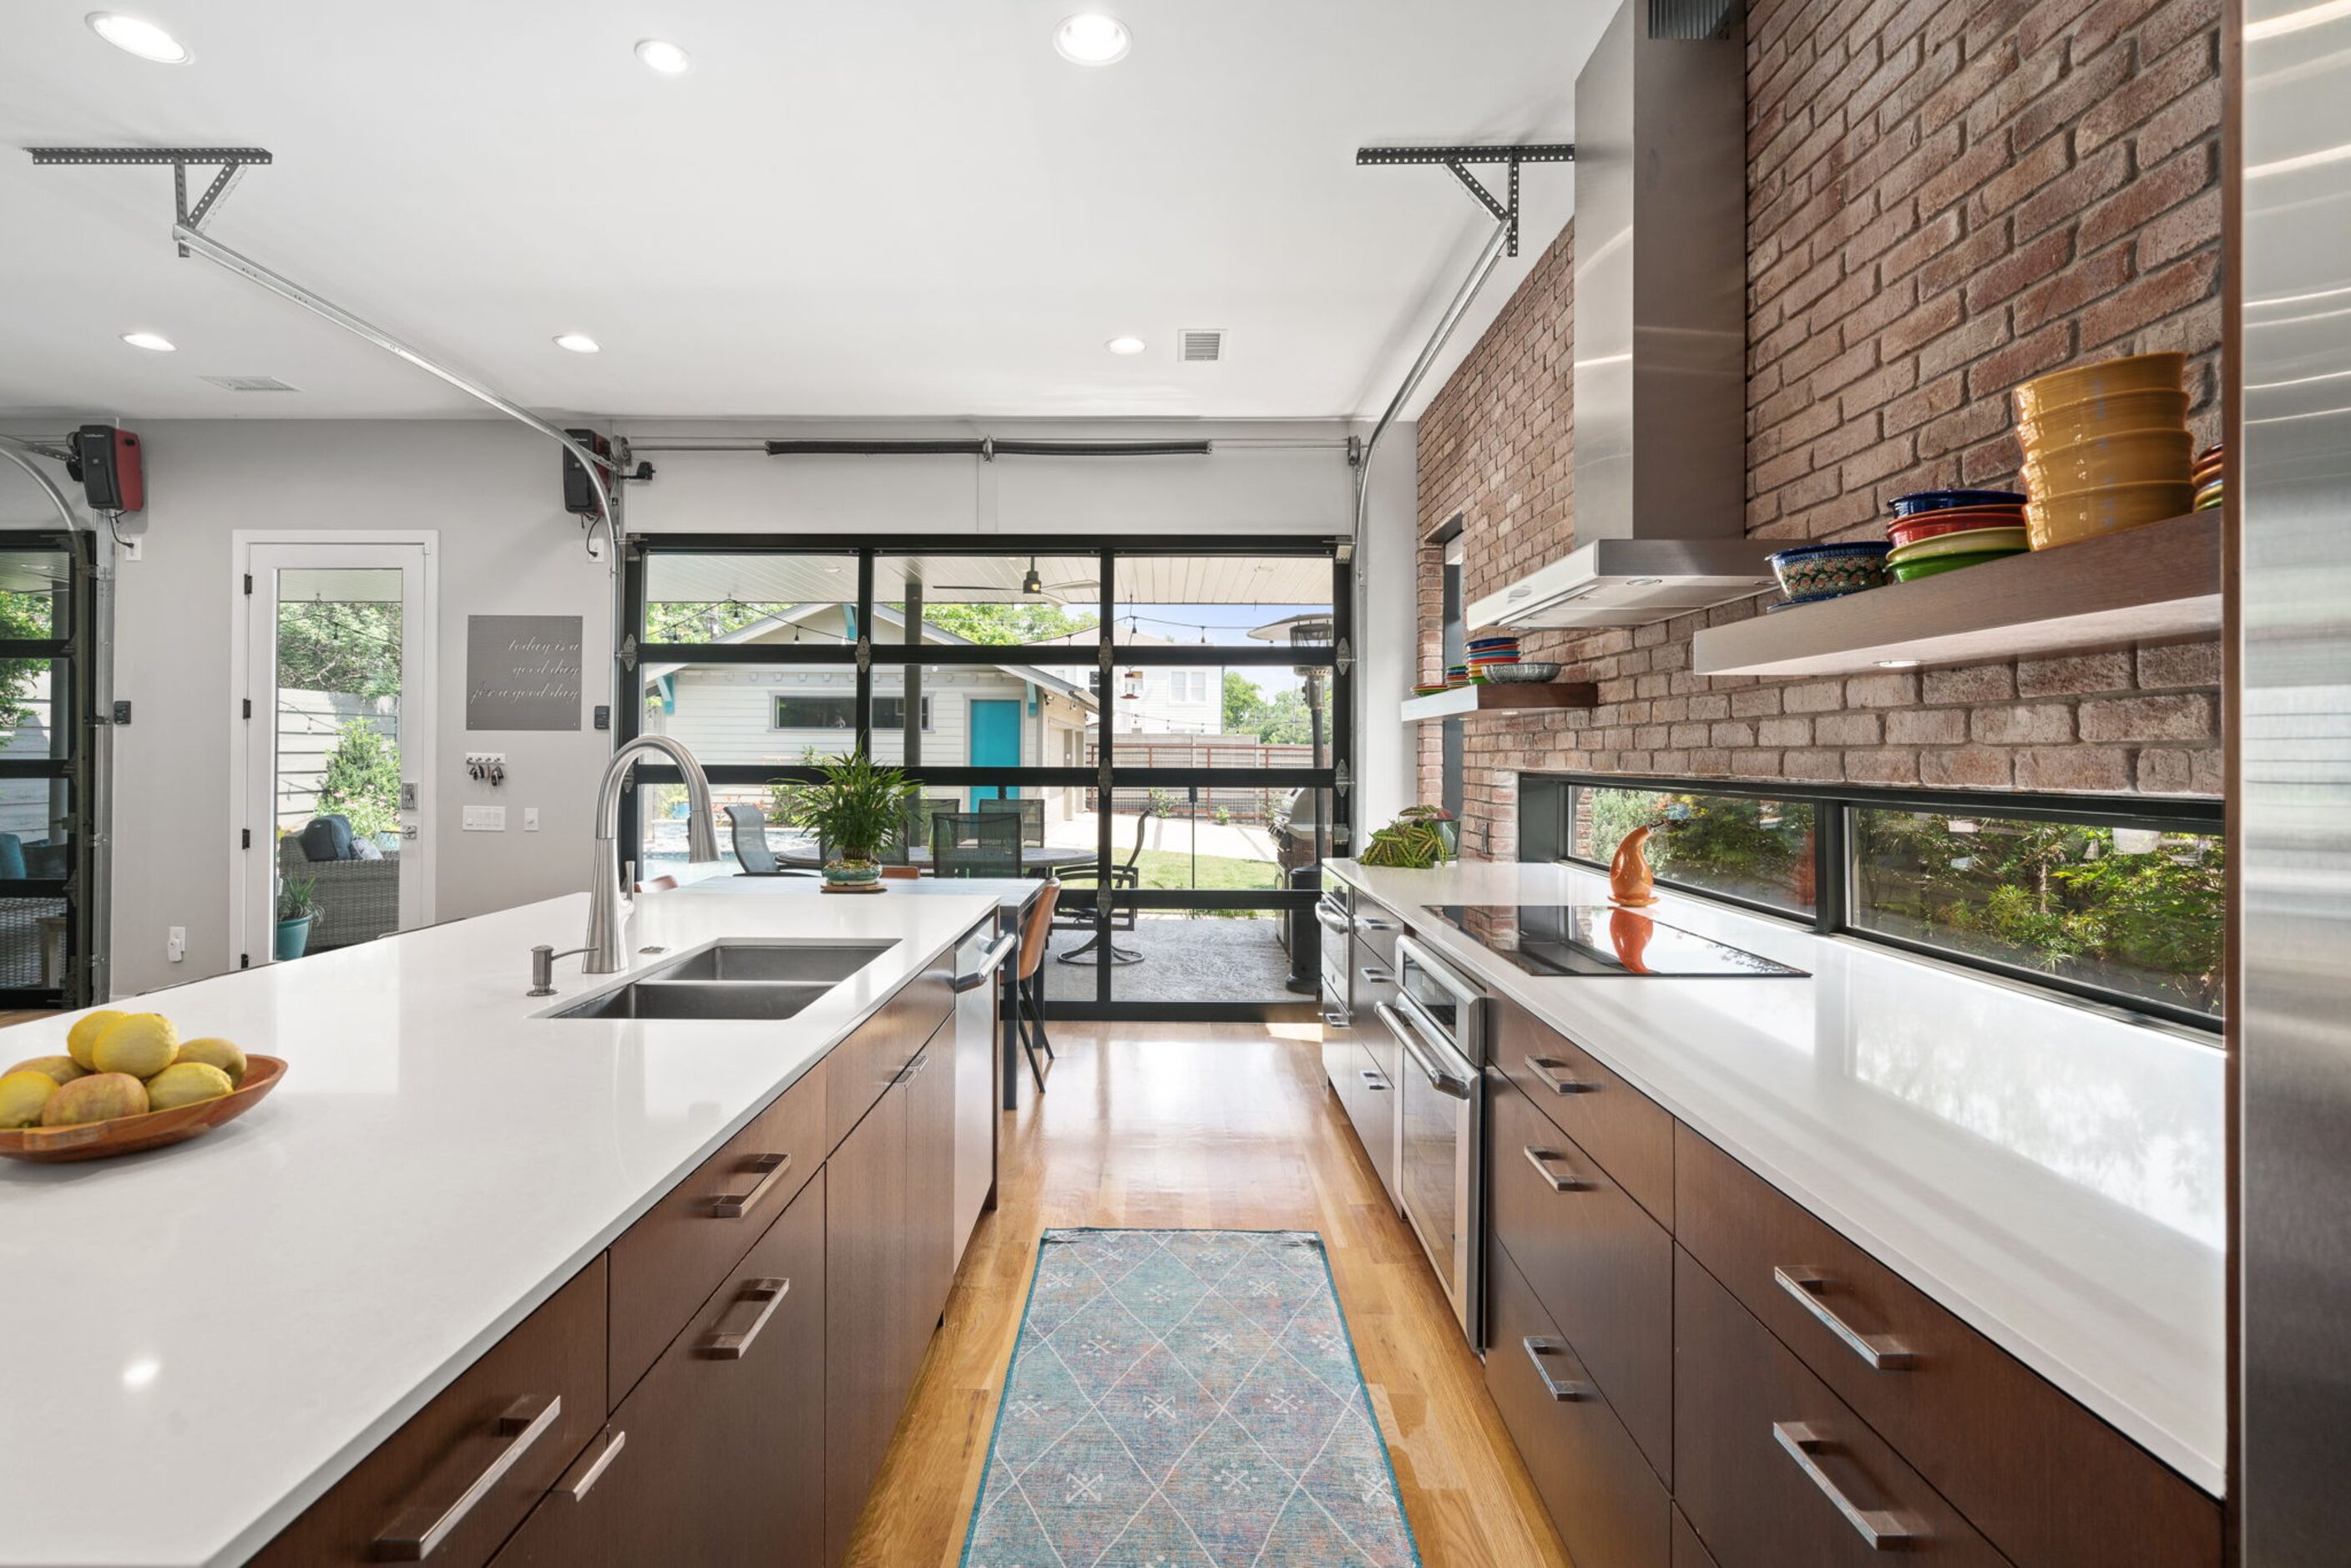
x: 2132, y: 458
x: 2054, y: 520
x: 2137, y: 372
x: 2104, y: 415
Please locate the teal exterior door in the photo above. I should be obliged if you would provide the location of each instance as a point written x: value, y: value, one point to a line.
x: 994, y: 742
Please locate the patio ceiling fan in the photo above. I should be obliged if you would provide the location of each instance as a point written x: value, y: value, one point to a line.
x: 1032, y: 586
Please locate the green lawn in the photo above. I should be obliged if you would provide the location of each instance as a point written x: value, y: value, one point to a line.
x: 1221, y: 873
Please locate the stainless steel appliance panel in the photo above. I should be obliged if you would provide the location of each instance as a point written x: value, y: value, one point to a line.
x: 1436, y: 1021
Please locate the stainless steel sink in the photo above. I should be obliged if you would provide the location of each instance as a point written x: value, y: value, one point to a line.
x: 662, y: 998
x: 797, y: 962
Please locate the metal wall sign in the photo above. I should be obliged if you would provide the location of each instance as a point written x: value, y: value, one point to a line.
x: 522, y: 672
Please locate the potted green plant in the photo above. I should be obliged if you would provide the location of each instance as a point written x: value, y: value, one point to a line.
x: 1421, y: 837
x: 856, y: 811
x: 297, y: 907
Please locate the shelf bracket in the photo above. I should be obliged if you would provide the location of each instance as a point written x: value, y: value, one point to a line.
x: 1457, y: 160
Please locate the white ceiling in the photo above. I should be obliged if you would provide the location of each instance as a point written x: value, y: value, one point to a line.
x: 874, y: 210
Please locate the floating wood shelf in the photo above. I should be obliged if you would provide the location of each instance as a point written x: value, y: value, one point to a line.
x: 1490, y: 698
x: 2160, y: 580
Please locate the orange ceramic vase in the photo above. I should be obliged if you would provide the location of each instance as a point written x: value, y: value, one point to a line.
x: 1630, y: 880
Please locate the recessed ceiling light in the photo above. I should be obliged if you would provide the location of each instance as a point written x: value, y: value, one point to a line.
x: 1091, y: 38
x: 1126, y: 345
x: 579, y: 343
x: 663, y: 57
x: 155, y: 341
x: 133, y: 36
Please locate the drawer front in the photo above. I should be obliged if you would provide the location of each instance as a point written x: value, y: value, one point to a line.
x: 1772, y: 1468
x: 1629, y: 1134
x: 1600, y: 1268
x: 2050, y: 1483
x: 499, y: 1436
x: 1373, y: 946
x: 1373, y: 1108
x: 860, y: 1068
x: 1607, y: 1504
x: 675, y: 1254
x: 1689, y: 1552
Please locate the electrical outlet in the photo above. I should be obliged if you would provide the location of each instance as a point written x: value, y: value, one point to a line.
x: 530, y: 819
x: 485, y: 818
x: 132, y: 548
x: 175, y: 945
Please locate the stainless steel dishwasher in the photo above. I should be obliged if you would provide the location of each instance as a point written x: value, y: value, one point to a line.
x: 980, y: 960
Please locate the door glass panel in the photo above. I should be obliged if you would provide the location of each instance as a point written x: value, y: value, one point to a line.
x: 1210, y: 956
x: 336, y: 777
x: 780, y: 716
x: 34, y: 694
x: 992, y: 599
x: 1224, y: 601
x: 806, y: 599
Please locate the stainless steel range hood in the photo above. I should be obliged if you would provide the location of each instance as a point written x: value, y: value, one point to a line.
x: 1660, y: 330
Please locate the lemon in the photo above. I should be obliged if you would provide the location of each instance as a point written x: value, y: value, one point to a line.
x: 23, y: 1094
x: 141, y: 1044
x: 64, y: 1068
x: 100, y: 1097
x: 82, y: 1038
x: 185, y: 1084
x: 220, y: 1053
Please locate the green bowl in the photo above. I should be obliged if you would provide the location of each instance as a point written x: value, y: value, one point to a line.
x: 1912, y: 571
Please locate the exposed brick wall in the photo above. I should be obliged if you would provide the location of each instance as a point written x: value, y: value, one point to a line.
x: 1945, y: 197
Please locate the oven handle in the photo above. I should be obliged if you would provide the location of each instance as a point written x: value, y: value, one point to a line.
x: 1442, y: 1079
x: 1333, y: 919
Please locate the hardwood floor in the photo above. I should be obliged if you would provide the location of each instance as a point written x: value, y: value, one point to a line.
x: 1207, y: 1125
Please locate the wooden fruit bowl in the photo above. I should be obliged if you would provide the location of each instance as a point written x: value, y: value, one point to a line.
x: 128, y: 1134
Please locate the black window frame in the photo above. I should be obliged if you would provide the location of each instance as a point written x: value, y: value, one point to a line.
x: 1333, y: 777
x: 776, y: 699
x: 1543, y: 837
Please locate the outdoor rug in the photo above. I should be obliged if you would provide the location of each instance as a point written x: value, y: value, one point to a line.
x: 1186, y: 1399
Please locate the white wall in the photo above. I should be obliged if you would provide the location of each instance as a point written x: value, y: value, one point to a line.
x: 1387, y: 623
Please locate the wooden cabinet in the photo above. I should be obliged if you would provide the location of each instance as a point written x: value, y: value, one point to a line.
x: 1772, y: 1468
x: 665, y: 1264
x: 1610, y: 1508
x: 2051, y: 1484
x: 1689, y: 1552
x: 461, y: 1473
x: 930, y: 1185
x: 869, y: 1061
x: 718, y: 1453
x: 1626, y: 1132
x: 1600, y: 1268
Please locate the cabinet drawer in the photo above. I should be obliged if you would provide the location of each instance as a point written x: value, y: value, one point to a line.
x: 2051, y: 1484
x: 1772, y: 1468
x: 1372, y: 1106
x: 1601, y: 1494
x: 1376, y: 931
x: 675, y: 1254
x: 1689, y: 1552
x: 453, y: 1483
x: 860, y: 1068
x: 1629, y: 1134
x: 1600, y: 1268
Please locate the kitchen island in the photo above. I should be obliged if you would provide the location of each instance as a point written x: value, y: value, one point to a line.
x: 1909, y: 1144
x: 201, y: 1341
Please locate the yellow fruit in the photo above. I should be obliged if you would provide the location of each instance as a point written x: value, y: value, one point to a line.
x: 185, y: 1084
x: 217, y: 1052
x: 82, y: 1038
x: 100, y: 1097
x: 141, y: 1044
x: 64, y: 1068
x: 22, y: 1096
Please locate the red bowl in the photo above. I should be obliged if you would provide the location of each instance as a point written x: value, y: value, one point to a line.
x: 1910, y: 531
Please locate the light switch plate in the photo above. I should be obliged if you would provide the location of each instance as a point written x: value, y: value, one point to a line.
x: 530, y: 819
x: 485, y: 818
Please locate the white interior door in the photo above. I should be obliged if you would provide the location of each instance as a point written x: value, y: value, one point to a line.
x: 336, y: 721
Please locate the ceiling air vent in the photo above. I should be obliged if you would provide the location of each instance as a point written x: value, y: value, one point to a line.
x: 250, y: 384
x: 1200, y: 345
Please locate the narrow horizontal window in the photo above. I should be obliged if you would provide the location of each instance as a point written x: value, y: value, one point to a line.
x: 1752, y: 848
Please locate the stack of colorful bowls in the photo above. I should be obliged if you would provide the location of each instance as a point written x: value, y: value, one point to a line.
x: 2106, y: 447
x: 1456, y: 675
x: 2212, y: 465
x: 1490, y: 648
x: 1937, y: 531
x: 1810, y: 573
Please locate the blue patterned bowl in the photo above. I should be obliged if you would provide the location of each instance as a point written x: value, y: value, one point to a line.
x: 1921, y: 501
x: 1810, y: 571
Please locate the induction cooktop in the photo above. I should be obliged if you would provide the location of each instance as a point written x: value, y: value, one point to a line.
x: 1591, y: 939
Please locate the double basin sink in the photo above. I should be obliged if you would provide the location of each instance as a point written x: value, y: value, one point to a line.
x: 753, y: 981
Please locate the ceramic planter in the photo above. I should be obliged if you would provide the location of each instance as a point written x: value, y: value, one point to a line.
x: 852, y: 874
x: 292, y: 936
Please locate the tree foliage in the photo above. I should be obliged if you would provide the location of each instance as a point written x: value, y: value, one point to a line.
x: 1004, y: 624
x: 26, y: 616
x: 362, y: 779
x: 1282, y: 719
x: 339, y: 645
x: 685, y: 622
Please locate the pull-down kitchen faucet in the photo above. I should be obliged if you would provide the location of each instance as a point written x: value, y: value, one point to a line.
x: 608, y: 901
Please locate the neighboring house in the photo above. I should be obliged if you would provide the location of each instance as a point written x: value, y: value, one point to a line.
x: 1184, y: 700
x: 1008, y: 714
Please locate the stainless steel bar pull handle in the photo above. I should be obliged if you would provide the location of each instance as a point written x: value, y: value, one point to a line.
x: 1547, y: 1073
x: 1883, y: 1528
x: 1541, y: 1159
x: 1377, y: 977
x: 417, y: 1533
x: 993, y: 960
x: 1883, y: 1353
x: 1565, y: 1393
x: 1440, y: 1080
x: 1331, y: 920
x: 584, y: 1475
x: 736, y: 1204
x: 769, y: 1294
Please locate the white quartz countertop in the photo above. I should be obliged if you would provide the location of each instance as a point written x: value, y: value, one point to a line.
x: 2053, y: 1174
x: 196, y: 1342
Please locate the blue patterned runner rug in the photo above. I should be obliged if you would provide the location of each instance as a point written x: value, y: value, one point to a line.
x: 1186, y: 1399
